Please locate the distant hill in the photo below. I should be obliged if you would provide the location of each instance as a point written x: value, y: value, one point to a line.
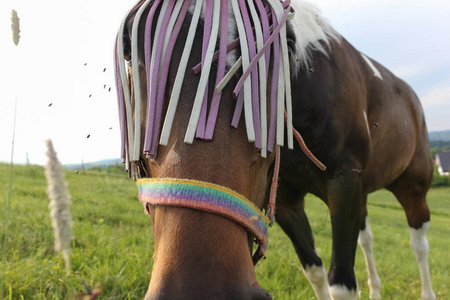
x: 439, y: 135
x: 101, y: 164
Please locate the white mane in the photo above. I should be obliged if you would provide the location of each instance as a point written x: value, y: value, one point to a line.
x: 310, y: 28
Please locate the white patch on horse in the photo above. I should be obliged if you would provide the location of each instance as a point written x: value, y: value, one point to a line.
x: 191, y: 9
x: 341, y: 292
x: 232, y: 35
x: 317, y: 277
x: 367, y: 124
x: 376, y: 73
x: 232, y: 31
x: 419, y: 245
x: 365, y: 241
x: 310, y: 28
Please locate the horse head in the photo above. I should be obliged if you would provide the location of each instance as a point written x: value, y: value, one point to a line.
x: 208, y: 198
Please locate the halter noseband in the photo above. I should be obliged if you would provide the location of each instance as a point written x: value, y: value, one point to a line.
x: 210, y: 198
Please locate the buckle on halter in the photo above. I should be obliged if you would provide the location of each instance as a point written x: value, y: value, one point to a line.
x: 258, y: 255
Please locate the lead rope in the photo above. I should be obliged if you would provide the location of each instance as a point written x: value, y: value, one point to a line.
x: 270, y: 211
x: 273, y: 187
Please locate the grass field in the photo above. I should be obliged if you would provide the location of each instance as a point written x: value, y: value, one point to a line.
x: 112, y: 243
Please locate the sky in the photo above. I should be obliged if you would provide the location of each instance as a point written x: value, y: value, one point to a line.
x: 57, y: 75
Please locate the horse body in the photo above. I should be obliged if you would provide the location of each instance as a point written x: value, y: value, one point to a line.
x: 368, y: 128
x: 361, y: 121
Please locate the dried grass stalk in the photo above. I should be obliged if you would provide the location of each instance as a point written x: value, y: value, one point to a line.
x: 15, y: 26
x: 59, y: 206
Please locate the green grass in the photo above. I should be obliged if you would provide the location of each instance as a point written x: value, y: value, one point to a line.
x: 113, y: 245
x: 280, y: 272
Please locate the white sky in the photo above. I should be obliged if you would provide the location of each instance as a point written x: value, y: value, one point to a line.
x: 58, y: 37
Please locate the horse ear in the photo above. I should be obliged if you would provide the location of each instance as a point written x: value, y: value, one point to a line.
x: 291, y: 39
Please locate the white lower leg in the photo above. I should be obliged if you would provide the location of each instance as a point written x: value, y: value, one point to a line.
x: 340, y: 292
x: 317, y: 276
x: 365, y: 241
x: 419, y: 245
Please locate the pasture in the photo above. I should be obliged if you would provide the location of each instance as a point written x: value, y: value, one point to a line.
x: 112, y: 243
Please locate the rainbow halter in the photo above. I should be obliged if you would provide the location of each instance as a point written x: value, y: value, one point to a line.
x: 211, y: 198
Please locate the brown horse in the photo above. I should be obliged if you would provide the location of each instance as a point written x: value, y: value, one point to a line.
x: 356, y: 117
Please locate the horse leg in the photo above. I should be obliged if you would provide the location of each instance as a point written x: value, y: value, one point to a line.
x: 419, y: 244
x: 291, y: 216
x: 344, y: 194
x: 365, y: 241
x: 412, y: 198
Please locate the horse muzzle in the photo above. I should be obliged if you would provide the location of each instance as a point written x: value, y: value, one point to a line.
x: 200, y: 255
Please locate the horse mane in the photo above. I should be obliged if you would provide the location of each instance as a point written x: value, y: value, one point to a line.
x: 261, y: 39
x: 312, y: 31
